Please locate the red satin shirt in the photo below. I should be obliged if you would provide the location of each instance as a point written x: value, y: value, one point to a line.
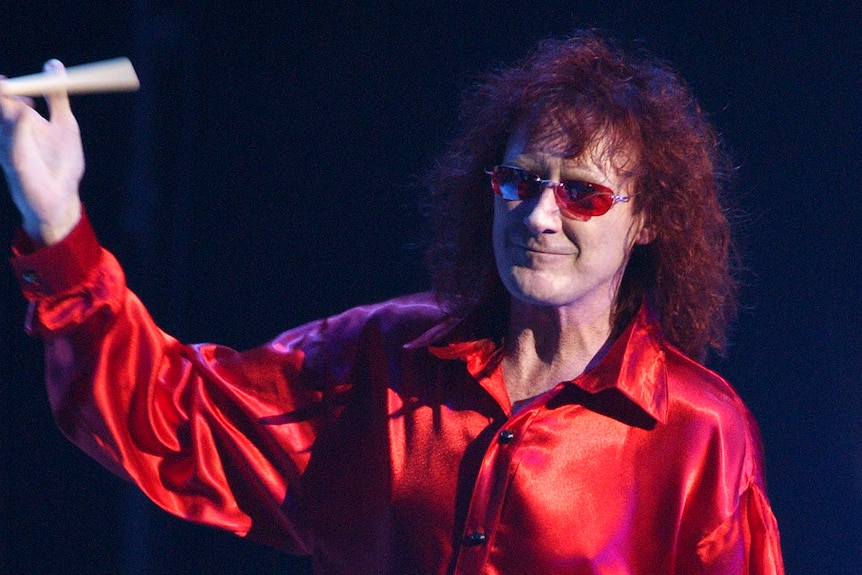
x: 380, y: 441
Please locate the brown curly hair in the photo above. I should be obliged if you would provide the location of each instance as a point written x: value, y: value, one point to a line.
x: 585, y: 87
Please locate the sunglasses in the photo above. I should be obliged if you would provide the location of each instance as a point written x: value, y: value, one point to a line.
x: 576, y: 198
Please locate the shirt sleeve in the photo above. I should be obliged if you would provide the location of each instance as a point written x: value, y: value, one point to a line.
x: 191, y: 425
x: 747, y: 543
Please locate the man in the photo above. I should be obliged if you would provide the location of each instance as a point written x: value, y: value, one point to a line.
x: 541, y: 411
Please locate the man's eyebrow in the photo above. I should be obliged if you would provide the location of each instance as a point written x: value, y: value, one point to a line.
x: 582, y: 167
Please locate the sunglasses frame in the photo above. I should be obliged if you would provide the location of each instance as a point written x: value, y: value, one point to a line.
x: 562, y: 192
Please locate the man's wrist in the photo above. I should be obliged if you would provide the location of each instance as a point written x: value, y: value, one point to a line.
x: 44, y: 233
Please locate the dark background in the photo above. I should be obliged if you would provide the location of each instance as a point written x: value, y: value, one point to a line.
x: 266, y: 175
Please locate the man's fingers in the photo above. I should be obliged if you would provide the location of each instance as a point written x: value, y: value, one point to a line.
x: 58, y: 101
x: 10, y: 106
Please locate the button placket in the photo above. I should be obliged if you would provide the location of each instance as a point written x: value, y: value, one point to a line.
x: 488, y: 496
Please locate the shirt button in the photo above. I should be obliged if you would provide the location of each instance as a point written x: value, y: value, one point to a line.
x: 30, y: 277
x: 475, y: 539
x: 506, y: 437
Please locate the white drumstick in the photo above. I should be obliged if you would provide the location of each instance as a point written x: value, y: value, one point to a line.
x: 116, y: 75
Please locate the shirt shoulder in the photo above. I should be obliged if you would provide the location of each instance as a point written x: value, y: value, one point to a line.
x: 694, y: 386
x: 334, y: 344
x: 714, y: 418
x: 396, y: 321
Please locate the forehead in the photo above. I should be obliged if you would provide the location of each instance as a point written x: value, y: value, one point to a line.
x: 556, y: 144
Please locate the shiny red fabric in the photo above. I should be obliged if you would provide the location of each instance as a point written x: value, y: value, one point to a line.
x: 380, y: 441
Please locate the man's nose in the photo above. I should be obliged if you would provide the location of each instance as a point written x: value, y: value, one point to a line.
x: 544, y: 213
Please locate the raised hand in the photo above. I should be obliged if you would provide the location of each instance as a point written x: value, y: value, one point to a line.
x: 43, y: 160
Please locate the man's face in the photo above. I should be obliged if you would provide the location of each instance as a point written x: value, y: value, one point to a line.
x: 549, y: 259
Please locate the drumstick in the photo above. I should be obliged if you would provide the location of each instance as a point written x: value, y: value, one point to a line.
x: 116, y: 75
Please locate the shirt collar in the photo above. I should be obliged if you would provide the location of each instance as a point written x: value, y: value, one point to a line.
x: 634, y: 364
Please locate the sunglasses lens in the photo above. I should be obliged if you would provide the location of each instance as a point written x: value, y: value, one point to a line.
x: 582, y: 199
x: 514, y: 183
x: 577, y: 199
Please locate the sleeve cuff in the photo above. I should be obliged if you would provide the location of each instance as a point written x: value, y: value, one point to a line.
x: 55, y: 269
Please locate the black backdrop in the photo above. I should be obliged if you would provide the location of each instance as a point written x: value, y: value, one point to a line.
x: 265, y: 175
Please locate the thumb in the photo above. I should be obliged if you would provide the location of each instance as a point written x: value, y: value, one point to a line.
x: 58, y: 101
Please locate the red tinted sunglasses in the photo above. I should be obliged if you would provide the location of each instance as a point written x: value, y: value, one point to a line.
x: 576, y: 198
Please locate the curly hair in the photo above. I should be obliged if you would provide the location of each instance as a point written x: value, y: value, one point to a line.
x: 583, y: 88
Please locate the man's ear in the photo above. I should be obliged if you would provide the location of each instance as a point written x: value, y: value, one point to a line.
x: 645, y: 235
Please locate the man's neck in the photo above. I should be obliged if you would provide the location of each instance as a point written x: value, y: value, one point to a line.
x: 546, y: 345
